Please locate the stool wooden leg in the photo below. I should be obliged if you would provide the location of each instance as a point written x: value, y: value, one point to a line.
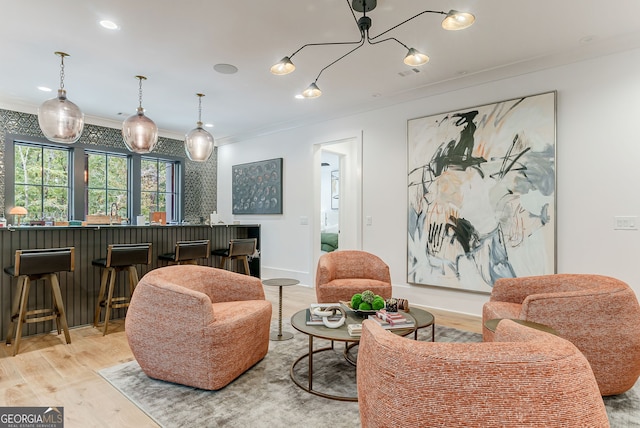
x: 133, y: 280
x: 246, y: 265
x: 24, y: 299
x: 223, y: 262
x: 55, y: 285
x: 107, y: 306
x: 103, y: 288
x: 15, y: 308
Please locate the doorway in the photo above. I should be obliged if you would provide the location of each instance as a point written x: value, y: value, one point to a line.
x: 338, y: 184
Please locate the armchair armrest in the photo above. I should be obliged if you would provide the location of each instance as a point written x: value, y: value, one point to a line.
x: 326, y: 271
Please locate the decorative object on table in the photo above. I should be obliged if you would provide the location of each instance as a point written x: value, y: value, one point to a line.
x: 199, y: 143
x: 140, y: 134
x: 61, y: 120
x: 481, y: 194
x: 342, y: 273
x: 17, y: 212
x: 256, y: 187
x: 329, y: 312
x: 391, y: 304
x: 453, y: 21
x: 392, y: 320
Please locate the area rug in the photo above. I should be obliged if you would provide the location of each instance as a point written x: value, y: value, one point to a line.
x: 266, y: 396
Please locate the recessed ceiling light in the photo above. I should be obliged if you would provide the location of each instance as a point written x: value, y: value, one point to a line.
x: 44, y: 89
x: 208, y: 125
x: 225, y: 68
x: 109, y: 25
x: 587, y: 39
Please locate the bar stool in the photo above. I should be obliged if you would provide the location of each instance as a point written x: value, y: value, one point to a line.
x: 187, y: 252
x: 32, y: 265
x: 120, y: 257
x: 239, y: 249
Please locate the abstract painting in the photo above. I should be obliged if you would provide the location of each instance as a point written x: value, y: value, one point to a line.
x: 256, y: 187
x: 481, y: 194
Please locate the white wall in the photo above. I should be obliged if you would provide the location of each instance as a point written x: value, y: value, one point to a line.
x: 598, y: 150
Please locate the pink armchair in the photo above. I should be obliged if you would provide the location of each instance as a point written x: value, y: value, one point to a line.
x: 197, y: 325
x: 527, y: 378
x: 600, y: 315
x: 343, y: 273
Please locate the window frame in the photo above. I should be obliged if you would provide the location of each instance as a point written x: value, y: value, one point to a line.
x: 76, y: 179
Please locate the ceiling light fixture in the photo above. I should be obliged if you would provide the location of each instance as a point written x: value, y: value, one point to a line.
x: 109, y: 25
x: 453, y: 20
x: 199, y: 143
x: 140, y: 134
x: 61, y: 120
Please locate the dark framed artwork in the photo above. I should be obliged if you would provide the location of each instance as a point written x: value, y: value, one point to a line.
x: 482, y: 194
x: 256, y: 187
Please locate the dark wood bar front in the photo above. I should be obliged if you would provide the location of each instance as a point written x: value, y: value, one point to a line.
x: 80, y: 288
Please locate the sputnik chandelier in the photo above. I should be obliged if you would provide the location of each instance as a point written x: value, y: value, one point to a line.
x: 453, y: 20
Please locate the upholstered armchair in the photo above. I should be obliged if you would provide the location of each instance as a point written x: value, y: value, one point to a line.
x: 197, y: 325
x: 600, y: 315
x: 526, y: 378
x: 343, y: 273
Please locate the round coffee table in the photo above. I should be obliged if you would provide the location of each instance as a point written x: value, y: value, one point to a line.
x: 340, y: 334
x: 280, y: 282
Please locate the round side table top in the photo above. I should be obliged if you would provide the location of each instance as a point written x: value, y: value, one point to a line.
x: 492, y: 324
x: 281, y: 282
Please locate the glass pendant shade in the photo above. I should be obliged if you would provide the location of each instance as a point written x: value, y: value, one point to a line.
x: 61, y: 120
x: 199, y: 144
x: 285, y: 66
x: 415, y: 58
x: 312, y: 91
x: 458, y: 20
x: 140, y: 134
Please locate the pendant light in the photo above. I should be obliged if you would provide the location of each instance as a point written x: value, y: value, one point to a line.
x: 140, y: 134
x: 61, y: 120
x: 199, y: 143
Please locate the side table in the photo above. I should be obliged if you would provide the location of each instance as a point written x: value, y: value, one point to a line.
x: 280, y: 282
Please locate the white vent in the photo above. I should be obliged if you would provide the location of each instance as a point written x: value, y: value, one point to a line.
x: 409, y: 72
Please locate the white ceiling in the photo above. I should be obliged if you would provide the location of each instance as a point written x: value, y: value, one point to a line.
x: 175, y: 44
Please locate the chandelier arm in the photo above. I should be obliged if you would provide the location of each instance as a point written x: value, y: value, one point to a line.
x: 331, y: 43
x: 385, y: 40
x: 361, y: 43
x: 325, y: 44
x: 405, y: 21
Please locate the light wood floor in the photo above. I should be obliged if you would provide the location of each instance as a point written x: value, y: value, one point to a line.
x: 48, y: 372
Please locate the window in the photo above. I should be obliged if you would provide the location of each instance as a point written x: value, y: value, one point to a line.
x: 42, y: 181
x: 159, y: 187
x: 106, y: 184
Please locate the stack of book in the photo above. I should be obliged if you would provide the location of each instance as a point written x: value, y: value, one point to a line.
x: 392, y: 320
x: 313, y: 319
x: 355, y: 330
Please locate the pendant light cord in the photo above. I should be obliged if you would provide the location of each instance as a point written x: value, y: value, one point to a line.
x: 61, y: 71
x: 140, y: 92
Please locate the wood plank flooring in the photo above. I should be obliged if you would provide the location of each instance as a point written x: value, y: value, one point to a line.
x: 48, y: 372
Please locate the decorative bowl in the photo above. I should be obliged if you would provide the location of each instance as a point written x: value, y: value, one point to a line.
x: 363, y: 314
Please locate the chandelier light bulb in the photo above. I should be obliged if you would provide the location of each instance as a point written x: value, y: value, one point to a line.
x: 312, y: 91
x: 199, y: 143
x: 61, y: 120
x: 458, y: 20
x: 415, y: 58
x: 140, y: 134
x: 285, y: 66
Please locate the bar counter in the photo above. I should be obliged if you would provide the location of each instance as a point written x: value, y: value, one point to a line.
x: 80, y: 288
